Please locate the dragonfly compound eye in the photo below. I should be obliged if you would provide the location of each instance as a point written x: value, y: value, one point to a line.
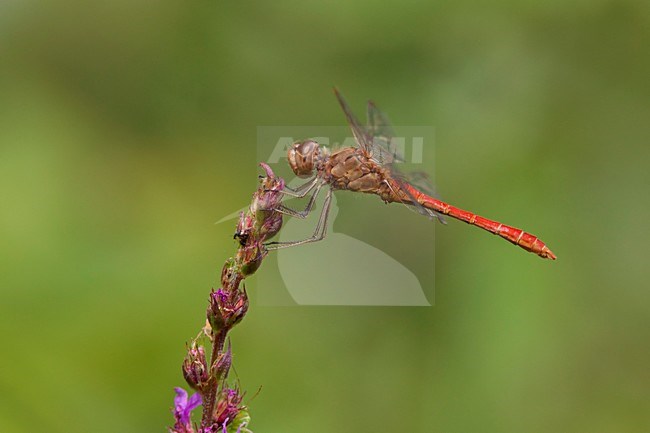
x: 302, y: 155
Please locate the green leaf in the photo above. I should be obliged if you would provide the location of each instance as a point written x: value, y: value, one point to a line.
x: 242, y: 420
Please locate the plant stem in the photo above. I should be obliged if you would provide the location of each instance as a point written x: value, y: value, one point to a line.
x: 210, y: 398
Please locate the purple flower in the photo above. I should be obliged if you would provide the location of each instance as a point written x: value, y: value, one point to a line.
x: 183, y: 406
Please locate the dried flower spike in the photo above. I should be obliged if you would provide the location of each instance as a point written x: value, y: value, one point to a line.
x: 223, y: 411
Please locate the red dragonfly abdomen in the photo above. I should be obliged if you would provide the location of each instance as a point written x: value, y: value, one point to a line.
x: 527, y: 241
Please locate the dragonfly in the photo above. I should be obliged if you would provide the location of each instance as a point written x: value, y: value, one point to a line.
x: 371, y: 167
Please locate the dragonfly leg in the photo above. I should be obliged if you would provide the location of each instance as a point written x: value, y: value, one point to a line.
x: 302, y: 215
x: 319, y: 233
x: 302, y: 190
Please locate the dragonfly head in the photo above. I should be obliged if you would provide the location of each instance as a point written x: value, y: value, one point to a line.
x: 303, y: 157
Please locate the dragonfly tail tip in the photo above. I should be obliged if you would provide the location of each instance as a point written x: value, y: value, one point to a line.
x: 548, y: 254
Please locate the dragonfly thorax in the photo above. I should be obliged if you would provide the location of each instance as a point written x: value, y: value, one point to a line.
x: 304, y: 157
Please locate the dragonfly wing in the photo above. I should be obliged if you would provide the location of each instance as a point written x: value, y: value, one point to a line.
x: 360, y: 134
x: 384, y: 146
x: 377, y: 141
x: 387, y: 152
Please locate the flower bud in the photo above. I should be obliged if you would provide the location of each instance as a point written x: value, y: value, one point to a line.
x: 222, y: 365
x: 195, y: 367
x: 251, y: 258
x: 270, y: 225
x: 266, y: 200
x: 226, y: 308
x: 244, y: 227
x: 228, y: 406
x: 230, y: 277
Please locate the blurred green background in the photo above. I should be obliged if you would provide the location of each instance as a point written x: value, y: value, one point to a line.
x: 128, y: 127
